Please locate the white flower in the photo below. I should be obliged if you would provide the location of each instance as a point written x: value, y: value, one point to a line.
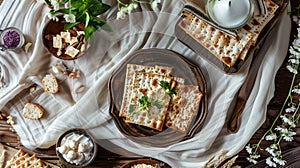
x: 249, y: 149
x: 121, y: 13
x: 251, y: 160
x: 70, y: 18
x: 131, y: 7
x: 296, y: 91
x: 291, y: 109
x: 52, y: 17
x: 270, y: 162
x: 288, y: 121
x: 279, y: 161
x: 291, y: 69
x: 271, y: 151
x: 154, y: 5
x: 294, y: 61
x: 271, y: 137
x: 289, y: 136
x: 55, y: 4
x: 282, y: 130
x: 284, y: 119
x: 293, y: 51
x: 288, y: 139
x: 295, y: 18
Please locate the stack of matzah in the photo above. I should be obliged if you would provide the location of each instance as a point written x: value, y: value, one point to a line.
x: 227, y: 48
x: 24, y: 160
x: 143, y: 87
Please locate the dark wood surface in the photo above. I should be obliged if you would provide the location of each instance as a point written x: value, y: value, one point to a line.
x: 106, y: 159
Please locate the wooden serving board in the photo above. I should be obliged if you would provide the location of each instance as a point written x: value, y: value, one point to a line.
x: 181, y: 68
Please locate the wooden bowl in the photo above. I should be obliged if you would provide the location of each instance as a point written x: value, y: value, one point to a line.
x: 91, y: 156
x: 147, y: 162
x: 53, y: 28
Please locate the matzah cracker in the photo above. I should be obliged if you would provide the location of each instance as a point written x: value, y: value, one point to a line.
x: 22, y: 159
x: 257, y: 23
x: 131, y: 69
x: 153, y: 116
x: 184, y: 106
x: 225, y: 47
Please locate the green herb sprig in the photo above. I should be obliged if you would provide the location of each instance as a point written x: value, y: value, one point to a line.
x: 144, y: 103
x: 167, y: 88
x: 81, y: 11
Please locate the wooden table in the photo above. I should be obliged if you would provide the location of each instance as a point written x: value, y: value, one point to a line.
x: 106, y: 159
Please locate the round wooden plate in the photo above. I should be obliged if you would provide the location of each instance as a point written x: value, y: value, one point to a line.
x: 181, y: 68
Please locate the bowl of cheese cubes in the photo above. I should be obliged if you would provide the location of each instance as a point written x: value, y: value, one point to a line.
x: 76, y: 148
x: 64, y: 44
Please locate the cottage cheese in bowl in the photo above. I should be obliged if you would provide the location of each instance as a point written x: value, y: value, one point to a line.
x: 76, y: 148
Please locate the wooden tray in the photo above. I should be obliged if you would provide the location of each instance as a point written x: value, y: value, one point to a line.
x: 199, y: 49
x: 181, y: 68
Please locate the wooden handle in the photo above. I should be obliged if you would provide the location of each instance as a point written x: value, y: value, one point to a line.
x: 234, y: 122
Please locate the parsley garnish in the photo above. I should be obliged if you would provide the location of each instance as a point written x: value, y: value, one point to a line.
x: 144, y: 102
x: 166, y: 86
x: 131, y: 109
x: 156, y: 103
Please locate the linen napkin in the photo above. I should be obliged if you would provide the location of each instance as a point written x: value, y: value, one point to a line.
x: 90, y: 109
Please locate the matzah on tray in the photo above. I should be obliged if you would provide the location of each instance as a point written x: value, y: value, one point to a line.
x: 153, y: 98
x: 221, y: 47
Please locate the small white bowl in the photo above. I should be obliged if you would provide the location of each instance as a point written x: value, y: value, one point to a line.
x: 89, y: 157
x: 8, y: 33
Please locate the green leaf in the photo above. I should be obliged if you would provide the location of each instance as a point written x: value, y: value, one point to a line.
x: 167, y: 88
x: 70, y: 25
x: 89, y: 31
x: 157, y: 103
x: 99, y: 9
x: 63, y: 10
x: 77, y: 3
x: 131, y: 109
x: 63, y: 2
x: 144, y: 102
x: 87, y: 19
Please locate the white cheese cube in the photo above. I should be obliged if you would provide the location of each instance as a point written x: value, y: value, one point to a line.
x: 71, y: 51
x: 66, y: 36
x: 73, y: 40
x: 57, y: 41
x: 80, y: 33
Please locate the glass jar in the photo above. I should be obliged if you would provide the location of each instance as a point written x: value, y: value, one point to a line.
x: 11, y: 39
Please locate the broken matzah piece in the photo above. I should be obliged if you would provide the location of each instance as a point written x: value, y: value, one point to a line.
x: 131, y: 69
x: 257, y: 23
x: 22, y: 159
x: 225, y: 47
x: 182, y: 110
x: 148, y: 103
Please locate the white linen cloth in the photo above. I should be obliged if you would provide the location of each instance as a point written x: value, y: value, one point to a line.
x: 90, y: 109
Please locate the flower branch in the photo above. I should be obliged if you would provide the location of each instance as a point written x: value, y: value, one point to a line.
x: 288, y: 113
x: 124, y: 8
